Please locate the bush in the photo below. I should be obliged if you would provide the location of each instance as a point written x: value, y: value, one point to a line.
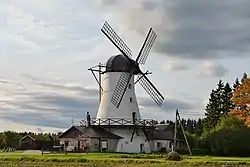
x: 174, y: 156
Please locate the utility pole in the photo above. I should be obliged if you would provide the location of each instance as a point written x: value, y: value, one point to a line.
x: 179, y: 118
x: 73, y: 121
x: 175, y: 130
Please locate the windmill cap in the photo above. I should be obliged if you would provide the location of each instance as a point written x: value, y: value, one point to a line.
x: 117, y: 63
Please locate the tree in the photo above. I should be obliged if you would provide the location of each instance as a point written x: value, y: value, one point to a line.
x: 244, y: 77
x: 199, y: 127
x: 241, y: 101
x: 226, y: 96
x: 214, y: 108
x: 236, y: 83
x: 162, y: 122
x: 230, y: 137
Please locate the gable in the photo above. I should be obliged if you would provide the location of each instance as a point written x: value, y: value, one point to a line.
x: 72, y: 132
x: 27, y: 138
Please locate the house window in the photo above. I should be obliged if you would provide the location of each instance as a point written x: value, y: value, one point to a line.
x: 130, y: 99
x: 104, y: 144
x: 129, y: 86
x: 158, y: 145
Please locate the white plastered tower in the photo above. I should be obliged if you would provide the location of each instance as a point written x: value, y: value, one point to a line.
x: 128, y: 106
x: 110, y: 79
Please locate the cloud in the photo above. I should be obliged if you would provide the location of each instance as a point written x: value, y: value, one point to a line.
x: 47, y: 103
x: 170, y: 104
x: 53, y: 104
x: 189, y: 29
x: 211, y: 69
x: 175, y: 66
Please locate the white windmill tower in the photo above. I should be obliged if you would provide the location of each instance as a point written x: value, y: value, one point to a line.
x: 118, y: 109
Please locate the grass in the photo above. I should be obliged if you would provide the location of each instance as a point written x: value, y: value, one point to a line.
x: 114, y: 159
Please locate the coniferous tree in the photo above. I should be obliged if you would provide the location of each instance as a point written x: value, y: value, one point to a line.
x: 236, y: 83
x: 244, y: 77
x: 162, y: 122
x: 199, y: 127
x: 189, y: 126
x: 214, y: 108
x: 227, y: 95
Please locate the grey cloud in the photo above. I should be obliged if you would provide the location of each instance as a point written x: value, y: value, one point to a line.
x: 37, y: 119
x: 213, y: 70
x: 57, y: 110
x: 171, y: 66
x: 53, y: 108
x: 192, y: 29
x: 76, y: 88
x: 168, y: 105
x: 82, y: 90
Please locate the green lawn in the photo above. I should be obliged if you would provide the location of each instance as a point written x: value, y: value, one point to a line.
x: 112, y: 159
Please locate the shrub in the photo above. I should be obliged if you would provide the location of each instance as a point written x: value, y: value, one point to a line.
x: 174, y: 156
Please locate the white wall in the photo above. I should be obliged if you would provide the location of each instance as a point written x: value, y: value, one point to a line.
x: 124, y: 145
x: 164, y: 144
x: 107, y: 109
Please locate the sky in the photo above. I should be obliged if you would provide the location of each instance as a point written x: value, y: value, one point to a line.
x: 47, y: 47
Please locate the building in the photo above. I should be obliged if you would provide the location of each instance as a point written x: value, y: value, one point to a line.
x: 92, y: 139
x: 100, y: 139
x: 29, y: 142
x: 162, y: 139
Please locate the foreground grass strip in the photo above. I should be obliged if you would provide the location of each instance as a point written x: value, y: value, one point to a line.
x: 120, y: 160
x: 70, y: 164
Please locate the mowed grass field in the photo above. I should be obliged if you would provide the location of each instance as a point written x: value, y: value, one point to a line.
x: 114, y: 160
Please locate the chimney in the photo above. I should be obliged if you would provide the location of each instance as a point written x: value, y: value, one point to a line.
x: 88, y: 119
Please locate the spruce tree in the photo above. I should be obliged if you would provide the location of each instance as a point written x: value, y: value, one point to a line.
x: 236, y: 83
x: 214, y: 108
x: 199, y: 126
x: 227, y: 95
x: 244, y: 77
x: 190, y: 126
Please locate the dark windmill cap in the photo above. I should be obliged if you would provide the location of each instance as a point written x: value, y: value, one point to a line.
x: 117, y: 63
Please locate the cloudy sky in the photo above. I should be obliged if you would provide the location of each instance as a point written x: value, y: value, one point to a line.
x: 47, y: 46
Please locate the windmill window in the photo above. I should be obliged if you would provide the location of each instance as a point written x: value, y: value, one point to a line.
x: 130, y: 99
x: 129, y: 86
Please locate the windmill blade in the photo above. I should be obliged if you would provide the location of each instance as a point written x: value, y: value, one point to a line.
x: 121, y: 88
x: 151, y: 90
x: 146, y: 47
x: 116, y: 40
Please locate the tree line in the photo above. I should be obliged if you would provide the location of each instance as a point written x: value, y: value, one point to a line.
x: 11, y: 138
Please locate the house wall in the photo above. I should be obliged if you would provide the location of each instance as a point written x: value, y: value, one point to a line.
x: 112, y: 144
x: 166, y: 144
x: 93, y: 144
x: 71, y: 143
x: 124, y: 145
x: 26, y: 143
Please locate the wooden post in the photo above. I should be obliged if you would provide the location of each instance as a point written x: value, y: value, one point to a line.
x: 175, y: 130
x: 184, y: 134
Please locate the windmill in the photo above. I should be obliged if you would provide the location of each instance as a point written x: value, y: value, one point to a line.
x: 133, y: 66
x: 118, y: 110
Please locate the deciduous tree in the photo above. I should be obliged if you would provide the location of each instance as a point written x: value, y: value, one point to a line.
x: 241, y: 101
